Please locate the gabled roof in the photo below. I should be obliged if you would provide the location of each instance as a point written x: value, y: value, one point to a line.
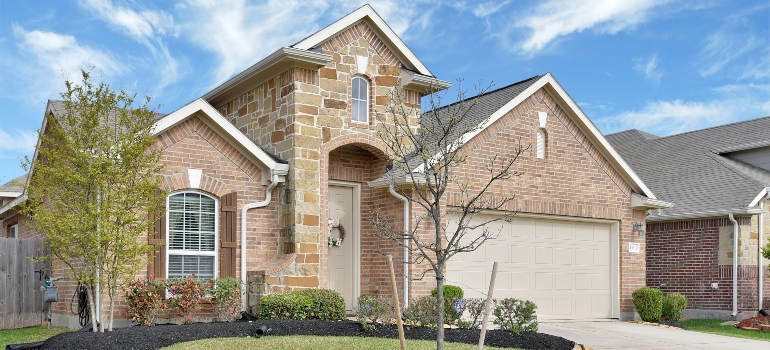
x: 495, y: 104
x: 388, y: 36
x: 11, y: 189
x: 225, y: 129
x: 695, y: 171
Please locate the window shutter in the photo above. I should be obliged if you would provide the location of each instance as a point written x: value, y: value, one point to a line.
x: 228, y: 240
x: 157, y: 235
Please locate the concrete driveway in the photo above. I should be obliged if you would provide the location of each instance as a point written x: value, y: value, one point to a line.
x: 625, y: 335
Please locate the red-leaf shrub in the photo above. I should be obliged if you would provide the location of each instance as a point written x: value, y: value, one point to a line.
x: 145, y: 299
x: 185, y: 296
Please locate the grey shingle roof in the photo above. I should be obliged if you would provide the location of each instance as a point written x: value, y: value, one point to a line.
x: 12, y: 186
x: 486, y: 104
x: 683, y: 169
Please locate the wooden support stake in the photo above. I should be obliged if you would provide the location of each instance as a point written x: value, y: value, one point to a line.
x: 487, y: 307
x: 396, y: 304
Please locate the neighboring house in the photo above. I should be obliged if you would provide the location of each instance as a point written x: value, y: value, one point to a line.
x: 267, y: 157
x: 9, y: 220
x: 709, y: 175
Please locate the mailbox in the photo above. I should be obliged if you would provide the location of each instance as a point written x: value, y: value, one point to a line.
x: 51, y: 294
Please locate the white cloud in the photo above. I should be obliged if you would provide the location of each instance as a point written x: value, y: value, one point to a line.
x: 649, y: 67
x: 487, y: 8
x: 725, y: 46
x: 18, y: 140
x: 733, y: 103
x: 555, y: 18
x: 61, y: 57
x: 144, y: 26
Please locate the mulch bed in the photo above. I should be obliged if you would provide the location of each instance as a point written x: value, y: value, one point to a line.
x: 156, y: 337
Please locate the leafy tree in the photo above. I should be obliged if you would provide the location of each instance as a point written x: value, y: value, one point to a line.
x: 94, y: 183
x: 426, y: 162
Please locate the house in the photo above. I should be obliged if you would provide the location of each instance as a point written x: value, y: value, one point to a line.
x: 9, y: 220
x: 271, y: 154
x: 709, y: 241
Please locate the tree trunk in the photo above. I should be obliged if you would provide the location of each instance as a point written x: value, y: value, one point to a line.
x: 99, y: 305
x: 92, y: 305
x: 112, y: 309
x: 440, y: 302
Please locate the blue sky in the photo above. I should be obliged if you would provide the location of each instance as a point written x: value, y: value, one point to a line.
x: 662, y: 66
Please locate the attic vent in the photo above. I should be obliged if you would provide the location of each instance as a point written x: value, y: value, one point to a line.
x: 541, y: 142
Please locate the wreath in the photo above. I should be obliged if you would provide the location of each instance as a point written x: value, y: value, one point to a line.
x: 336, y: 241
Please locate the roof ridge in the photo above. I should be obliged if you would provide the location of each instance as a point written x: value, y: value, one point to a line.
x: 710, y: 128
x: 725, y: 162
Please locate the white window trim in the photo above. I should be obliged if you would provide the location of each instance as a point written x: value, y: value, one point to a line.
x: 215, y: 254
x: 367, y: 100
x: 13, y: 230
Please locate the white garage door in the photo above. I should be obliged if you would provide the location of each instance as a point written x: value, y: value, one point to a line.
x: 565, y: 267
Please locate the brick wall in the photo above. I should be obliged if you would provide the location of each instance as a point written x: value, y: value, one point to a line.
x: 687, y: 257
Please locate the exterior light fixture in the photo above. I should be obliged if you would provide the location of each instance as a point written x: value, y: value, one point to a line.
x: 638, y: 228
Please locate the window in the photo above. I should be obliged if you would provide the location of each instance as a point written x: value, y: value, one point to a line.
x: 541, y: 143
x: 192, y: 235
x: 360, y: 100
x: 13, y: 231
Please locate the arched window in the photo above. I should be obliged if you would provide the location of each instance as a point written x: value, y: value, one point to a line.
x: 360, y: 100
x: 192, y: 235
x: 541, y: 143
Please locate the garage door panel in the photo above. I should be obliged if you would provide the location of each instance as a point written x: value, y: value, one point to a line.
x: 563, y: 266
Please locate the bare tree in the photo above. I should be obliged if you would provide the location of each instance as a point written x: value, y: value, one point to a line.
x: 427, y: 158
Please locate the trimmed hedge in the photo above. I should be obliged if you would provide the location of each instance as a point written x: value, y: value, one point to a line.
x: 321, y: 304
x: 649, y: 303
x: 327, y: 304
x: 673, y: 306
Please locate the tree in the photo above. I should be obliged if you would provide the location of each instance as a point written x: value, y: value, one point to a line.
x: 94, y: 186
x: 427, y: 160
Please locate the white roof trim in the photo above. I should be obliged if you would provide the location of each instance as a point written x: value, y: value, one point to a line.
x: 704, y: 214
x: 201, y: 105
x: 365, y: 11
x: 12, y: 194
x: 762, y: 194
x: 640, y: 202
x: 13, y: 204
x: 548, y: 80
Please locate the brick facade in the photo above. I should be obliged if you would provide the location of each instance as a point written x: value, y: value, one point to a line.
x: 688, y: 256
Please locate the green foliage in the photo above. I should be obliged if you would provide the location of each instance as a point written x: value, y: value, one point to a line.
x: 649, y: 303
x: 327, y: 304
x: 373, y: 309
x: 515, y: 315
x: 145, y: 299
x: 673, y: 306
x: 423, y: 312
x: 475, y: 308
x: 291, y: 305
x: 451, y: 295
x: 225, y: 294
x: 93, y: 184
x: 185, y: 296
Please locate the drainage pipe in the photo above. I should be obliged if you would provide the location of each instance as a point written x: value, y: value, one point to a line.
x: 268, y: 197
x: 760, y: 234
x: 406, y: 244
x: 735, y: 265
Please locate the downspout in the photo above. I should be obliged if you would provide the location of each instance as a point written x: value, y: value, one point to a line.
x: 761, y: 233
x: 406, y: 244
x: 735, y: 265
x: 268, y: 197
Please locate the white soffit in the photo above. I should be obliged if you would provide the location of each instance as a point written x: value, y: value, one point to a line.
x: 219, y: 121
x: 363, y: 12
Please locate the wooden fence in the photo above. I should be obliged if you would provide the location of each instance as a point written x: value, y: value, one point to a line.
x: 21, y: 301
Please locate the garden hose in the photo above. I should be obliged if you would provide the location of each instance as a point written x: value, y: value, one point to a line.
x: 84, y: 314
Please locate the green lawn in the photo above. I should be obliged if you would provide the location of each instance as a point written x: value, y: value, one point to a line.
x: 303, y: 342
x: 707, y: 325
x: 28, y: 335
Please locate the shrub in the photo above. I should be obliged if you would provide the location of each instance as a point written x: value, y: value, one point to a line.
x: 327, y: 304
x: 515, y: 315
x: 145, y: 299
x: 185, y: 296
x: 452, y: 294
x: 475, y: 308
x: 423, y: 312
x: 374, y: 309
x: 225, y: 294
x: 649, y: 303
x: 673, y: 306
x: 291, y: 305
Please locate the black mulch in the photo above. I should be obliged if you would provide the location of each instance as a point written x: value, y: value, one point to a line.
x: 672, y: 324
x: 156, y: 337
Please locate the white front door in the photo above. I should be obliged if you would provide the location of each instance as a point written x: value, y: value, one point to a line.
x: 342, y: 258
